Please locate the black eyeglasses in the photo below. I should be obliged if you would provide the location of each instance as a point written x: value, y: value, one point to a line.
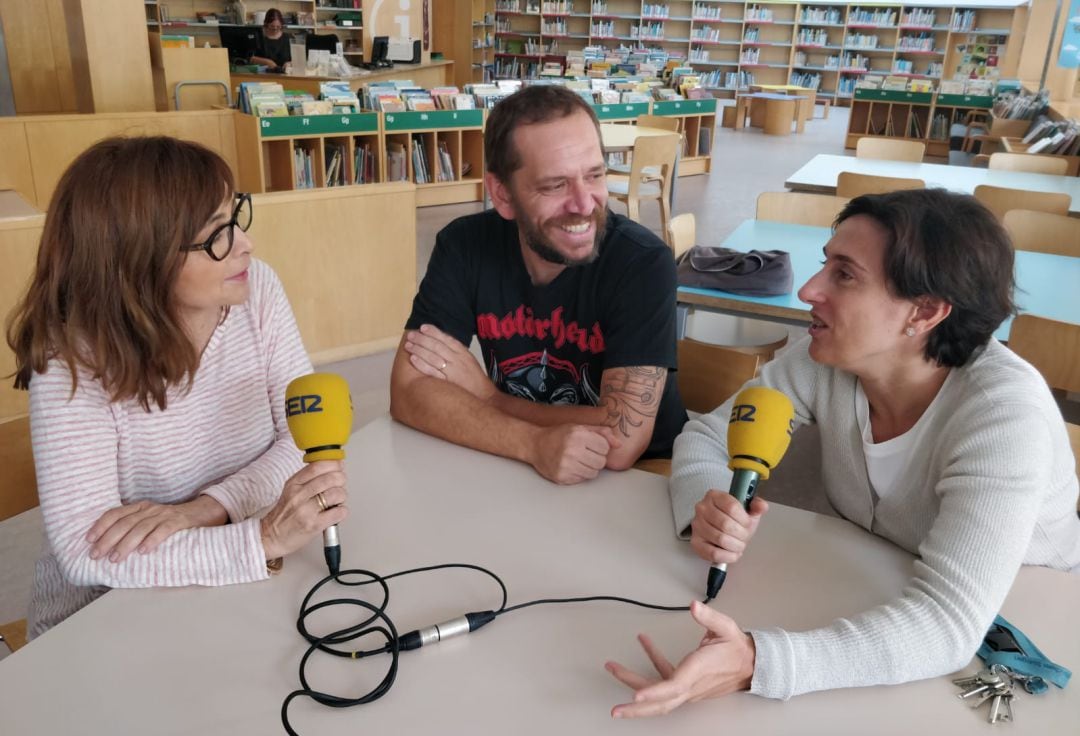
x: 219, y: 245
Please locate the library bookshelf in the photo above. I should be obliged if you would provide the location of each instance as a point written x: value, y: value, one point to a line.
x: 439, y: 142
x: 339, y: 17
x: 919, y: 116
x: 734, y: 44
x: 697, y: 124
x: 268, y: 161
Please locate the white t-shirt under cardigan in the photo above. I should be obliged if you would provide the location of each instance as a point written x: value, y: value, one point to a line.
x: 992, y: 485
x: 226, y: 438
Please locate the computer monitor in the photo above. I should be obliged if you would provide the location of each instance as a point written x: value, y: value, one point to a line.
x: 327, y: 42
x: 243, y: 42
x: 380, y: 47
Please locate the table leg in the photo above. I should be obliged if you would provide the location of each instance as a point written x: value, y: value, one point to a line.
x: 682, y: 311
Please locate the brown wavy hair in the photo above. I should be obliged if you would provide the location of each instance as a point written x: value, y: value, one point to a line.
x: 101, y: 297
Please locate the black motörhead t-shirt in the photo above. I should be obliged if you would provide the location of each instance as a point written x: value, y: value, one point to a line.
x: 552, y: 343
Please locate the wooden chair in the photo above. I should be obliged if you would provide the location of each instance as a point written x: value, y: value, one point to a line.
x: 890, y: 149
x: 654, y: 150
x: 708, y: 375
x: 18, y: 493
x: 682, y: 233
x: 850, y: 185
x: 647, y: 121
x: 1000, y: 200
x: 800, y: 208
x: 1044, y: 232
x: 1032, y: 163
x: 1051, y: 346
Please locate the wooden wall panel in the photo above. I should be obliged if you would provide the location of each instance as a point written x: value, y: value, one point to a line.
x: 110, y: 55
x: 54, y: 142
x: 18, y: 251
x: 38, y: 57
x: 15, y: 170
x: 347, y: 259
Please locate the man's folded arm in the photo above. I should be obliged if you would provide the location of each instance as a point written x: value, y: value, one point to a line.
x: 445, y: 410
x: 629, y: 402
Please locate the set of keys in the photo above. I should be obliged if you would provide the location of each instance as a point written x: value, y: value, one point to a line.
x: 995, y: 685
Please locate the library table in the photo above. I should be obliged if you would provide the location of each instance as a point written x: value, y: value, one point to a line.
x: 619, y: 138
x: 221, y: 660
x: 819, y: 175
x: 1046, y: 284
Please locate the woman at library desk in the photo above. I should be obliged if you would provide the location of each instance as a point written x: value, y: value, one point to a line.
x: 157, y: 351
x: 933, y: 435
x: 274, y: 51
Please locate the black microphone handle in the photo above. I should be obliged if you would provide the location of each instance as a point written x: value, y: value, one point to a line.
x: 743, y: 485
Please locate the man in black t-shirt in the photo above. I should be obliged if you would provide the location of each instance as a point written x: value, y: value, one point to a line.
x: 573, y: 307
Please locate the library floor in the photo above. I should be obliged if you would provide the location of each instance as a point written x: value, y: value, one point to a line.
x: 745, y: 164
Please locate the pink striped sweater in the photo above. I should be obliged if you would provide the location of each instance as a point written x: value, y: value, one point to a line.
x: 226, y: 438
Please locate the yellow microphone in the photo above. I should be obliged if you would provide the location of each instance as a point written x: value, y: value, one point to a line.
x: 318, y: 409
x: 759, y: 432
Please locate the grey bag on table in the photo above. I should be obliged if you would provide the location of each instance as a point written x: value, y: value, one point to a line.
x: 747, y: 273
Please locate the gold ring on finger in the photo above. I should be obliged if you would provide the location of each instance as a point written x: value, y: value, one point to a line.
x: 321, y: 501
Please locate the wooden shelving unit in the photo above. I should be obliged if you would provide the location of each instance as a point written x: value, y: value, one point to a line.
x: 925, y: 117
x: 829, y: 44
x: 697, y: 123
x: 462, y: 133
x: 464, y: 30
x: 313, y: 16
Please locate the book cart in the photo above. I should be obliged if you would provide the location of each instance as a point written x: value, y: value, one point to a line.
x: 917, y: 116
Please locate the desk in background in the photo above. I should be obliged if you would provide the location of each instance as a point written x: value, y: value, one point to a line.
x: 221, y: 660
x: 431, y: 74
x: 819, y: 175
x: 1046, y: 284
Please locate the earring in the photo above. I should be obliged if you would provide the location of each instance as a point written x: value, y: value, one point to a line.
x: 910, y: 332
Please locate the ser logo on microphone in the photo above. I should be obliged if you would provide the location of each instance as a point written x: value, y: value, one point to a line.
x: 742, y: 413
x: 307, y: 404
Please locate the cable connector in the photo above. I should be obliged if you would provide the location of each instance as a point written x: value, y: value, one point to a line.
x: 459, y: 626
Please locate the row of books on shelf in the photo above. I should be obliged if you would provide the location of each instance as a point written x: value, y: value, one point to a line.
x: 894, y: 83
x: 1021, y: 105
x: 1061, y: 137
x: 403, y: 95
x: 270, y: 99
x: 397, y: 159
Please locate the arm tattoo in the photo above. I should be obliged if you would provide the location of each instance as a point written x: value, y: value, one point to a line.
x: 630, y: 396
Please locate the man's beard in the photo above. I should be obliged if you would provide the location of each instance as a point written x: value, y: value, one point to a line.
x: 541, y: 245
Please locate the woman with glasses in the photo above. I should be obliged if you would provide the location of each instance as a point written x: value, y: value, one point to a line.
x: 274, y: 49
x: 157, y: 351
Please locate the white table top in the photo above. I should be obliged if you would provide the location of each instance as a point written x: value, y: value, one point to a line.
x: 221, y: 660
x: 1047, y: 285
x: 819, y: 175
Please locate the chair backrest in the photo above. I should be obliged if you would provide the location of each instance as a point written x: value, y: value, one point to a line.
x: 1044, y: 232
x: 890, y: 149
x: 709, y: 374
x: 1000, y: 200
x: 1030, y: 162
x: 682, y: 233
x: 800, y: 208
x: 658, y: 151
x: 658, y: 121
x: 18, y: 487
x: 1051, y: 346
x: 849, y: 184
x: 1074, y: 440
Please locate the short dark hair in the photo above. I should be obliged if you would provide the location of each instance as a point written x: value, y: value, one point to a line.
x: 949, y: 246
x: 538, y: 103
